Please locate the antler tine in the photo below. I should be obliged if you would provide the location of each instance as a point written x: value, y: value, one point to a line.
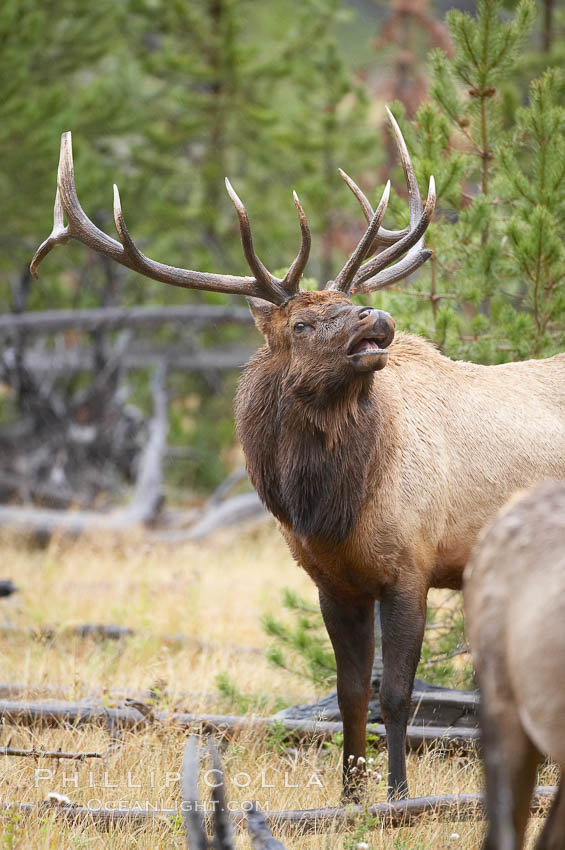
x: 129, y: 246
x: 384, y: 236
x: 126, y: 253
x: 405, y: 267
x: 344, y: 279
x: 414, y: 199
x: 293, y: 275
x: 262, y: 275
x: 79, y: 225
x: 374, y: 275
x: 58, y: 236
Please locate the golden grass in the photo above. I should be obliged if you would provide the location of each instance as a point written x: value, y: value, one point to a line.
x: 215, y: 592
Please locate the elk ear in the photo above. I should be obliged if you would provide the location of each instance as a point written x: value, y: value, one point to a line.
x: 262, y: 312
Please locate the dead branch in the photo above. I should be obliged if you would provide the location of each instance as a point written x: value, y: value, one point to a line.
x: 223, y: 830
x: 19, y: 485
x: 194, y: 820
x: 222, y: 490
x: 60, y: 712
x: 148, y: 495
x: 191, y: 812
x: 402, y: 813
x: 259, y: 832
x: 430, y: 705
x: 76, y: 360
x: 238, y: 509
x: 445, y: 656
x: 112, y: 318
x: 220, y: 823
x: 49, y: 754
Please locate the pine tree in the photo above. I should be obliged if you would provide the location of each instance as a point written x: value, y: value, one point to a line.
x: 272, y: 106
x: 532, y: 181
x: 481, y: 297
x: 62, y: 66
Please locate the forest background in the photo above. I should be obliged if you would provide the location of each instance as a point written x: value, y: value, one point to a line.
x: 166, y: 98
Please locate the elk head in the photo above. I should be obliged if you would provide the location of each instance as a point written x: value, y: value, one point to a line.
x: 312, y: 328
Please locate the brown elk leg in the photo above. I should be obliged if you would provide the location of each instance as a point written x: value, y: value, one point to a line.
x: 350, y: 628
x: 511, y: 760
x: 552, y: 836
x: 403, y: 618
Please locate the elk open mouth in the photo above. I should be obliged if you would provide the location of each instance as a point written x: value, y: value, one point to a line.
x: 366, y: 355
x: 367, y: 345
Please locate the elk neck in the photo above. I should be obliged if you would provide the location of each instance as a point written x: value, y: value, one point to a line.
x: 310, y: 444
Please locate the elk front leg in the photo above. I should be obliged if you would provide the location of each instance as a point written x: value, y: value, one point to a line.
x: 350, y: 627
x: 403, y: 616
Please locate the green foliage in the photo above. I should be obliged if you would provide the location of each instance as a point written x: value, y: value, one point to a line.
x: 62, y: 65
x: 240, y: 702
x: 302, y: 647
x: 9, y: 830
x: 367, y: 824
x: 277, y: 737
x: 533, y: 179
x: 444, y: 659
x: 492, y: 292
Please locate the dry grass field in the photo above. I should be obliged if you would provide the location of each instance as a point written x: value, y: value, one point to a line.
x: 216, y: 593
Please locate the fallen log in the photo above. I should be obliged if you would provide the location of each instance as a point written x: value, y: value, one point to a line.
x: 74, y: 361
x: 401, y: 813
x: 429, y: 704
x: 233, y: 511
x: 60, y: 712
x: 112, y: 318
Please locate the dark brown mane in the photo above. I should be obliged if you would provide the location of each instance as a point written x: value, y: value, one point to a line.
x: 308, y: 445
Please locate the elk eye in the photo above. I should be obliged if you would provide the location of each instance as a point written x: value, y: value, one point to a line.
x: 299, y: 326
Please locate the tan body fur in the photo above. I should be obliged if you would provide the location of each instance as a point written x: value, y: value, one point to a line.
x: 515, y: 614
x: 458, y: 439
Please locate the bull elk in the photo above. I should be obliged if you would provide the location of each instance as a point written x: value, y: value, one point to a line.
x: 381, y: 478
x: 515, y: 615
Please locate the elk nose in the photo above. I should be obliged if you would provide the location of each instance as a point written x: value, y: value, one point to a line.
x: 383, y: 327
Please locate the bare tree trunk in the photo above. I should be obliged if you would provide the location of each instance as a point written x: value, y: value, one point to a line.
x: 548, y: 21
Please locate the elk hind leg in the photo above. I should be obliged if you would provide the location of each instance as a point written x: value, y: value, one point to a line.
x: 552, y: 836
x: 511, y: 761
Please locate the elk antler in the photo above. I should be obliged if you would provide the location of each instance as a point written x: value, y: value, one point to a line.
x: 263, y: 285
x: 355, y: 278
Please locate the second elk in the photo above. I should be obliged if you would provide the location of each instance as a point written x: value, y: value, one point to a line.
x: 515, y: 613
